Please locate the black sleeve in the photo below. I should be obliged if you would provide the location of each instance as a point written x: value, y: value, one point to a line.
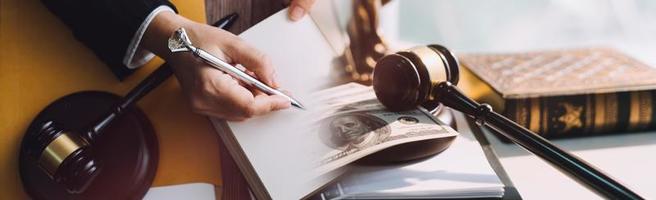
x: 105, y: 26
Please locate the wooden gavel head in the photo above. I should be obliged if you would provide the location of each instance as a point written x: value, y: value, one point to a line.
x: 81, y: 147
x: 65, y: 157
x: 407, y: 79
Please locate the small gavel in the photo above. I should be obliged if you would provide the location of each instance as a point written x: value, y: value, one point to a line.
x: 427, y: 75
x: 67, y: 157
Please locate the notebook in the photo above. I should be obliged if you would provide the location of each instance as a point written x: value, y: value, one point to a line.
x: 260, y: 146
x: 282, y: 154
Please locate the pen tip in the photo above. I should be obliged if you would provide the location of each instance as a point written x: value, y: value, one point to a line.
x: 298, y: 105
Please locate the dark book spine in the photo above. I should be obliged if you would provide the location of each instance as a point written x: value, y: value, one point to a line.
x: 579, y: 115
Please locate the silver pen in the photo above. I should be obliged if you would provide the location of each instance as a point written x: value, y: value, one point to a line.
x: 180, y: 42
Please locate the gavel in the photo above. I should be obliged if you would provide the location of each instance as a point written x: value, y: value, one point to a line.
x: 427, y: 76
x: 71, y: 149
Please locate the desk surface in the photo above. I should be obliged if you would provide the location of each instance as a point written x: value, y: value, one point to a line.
x: 627, y: 157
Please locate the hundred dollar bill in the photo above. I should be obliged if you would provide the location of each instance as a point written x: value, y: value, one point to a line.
x: 352, y: 124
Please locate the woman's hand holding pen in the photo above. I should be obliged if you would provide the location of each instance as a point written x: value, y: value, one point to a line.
x: 214, y: 93
x: 210, y: 91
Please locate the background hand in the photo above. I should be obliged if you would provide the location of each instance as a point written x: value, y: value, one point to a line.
x: 298, y: 8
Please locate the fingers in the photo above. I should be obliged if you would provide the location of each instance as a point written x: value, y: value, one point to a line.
x: 298, y: 9
x: 224, y: 98
x: 252, y: 59
x: 258, y: 105
x: 214, y: 93
x: 263, y: 104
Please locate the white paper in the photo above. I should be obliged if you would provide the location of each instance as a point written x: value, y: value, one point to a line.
x: 197, y: 191
x: 274, y: 144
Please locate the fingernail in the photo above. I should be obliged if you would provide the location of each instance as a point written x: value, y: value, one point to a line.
x: 296, y: 13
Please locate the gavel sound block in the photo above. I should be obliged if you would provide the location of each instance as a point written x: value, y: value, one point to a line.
x: 118, y: 164
x: 92, y: 145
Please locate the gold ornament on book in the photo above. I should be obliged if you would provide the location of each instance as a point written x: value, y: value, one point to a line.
x: 572, y: 116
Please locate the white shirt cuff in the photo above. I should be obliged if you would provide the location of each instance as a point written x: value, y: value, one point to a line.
x: 135, y: 56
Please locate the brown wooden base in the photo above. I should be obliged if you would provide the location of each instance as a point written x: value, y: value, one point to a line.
x: 127, y: 151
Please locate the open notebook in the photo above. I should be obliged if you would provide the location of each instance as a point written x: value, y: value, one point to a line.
x: 278, y: 153
x: 261, y: 147
x: 284, y: 155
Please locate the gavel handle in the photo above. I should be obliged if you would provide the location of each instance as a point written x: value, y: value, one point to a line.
x: 571, y: 165
x: 149, y: 83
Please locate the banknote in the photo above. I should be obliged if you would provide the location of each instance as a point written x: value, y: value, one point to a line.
x: 352, y: 124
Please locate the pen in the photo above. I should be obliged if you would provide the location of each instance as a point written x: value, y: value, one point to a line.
x: 180, y: 42
x: 164, y: 71
x: 152, y: 81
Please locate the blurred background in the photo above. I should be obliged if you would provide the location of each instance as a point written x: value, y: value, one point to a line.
x: 520, y: 25
x: 495, y: 26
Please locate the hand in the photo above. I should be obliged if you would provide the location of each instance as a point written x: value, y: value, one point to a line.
x: 298, y: 9
x: 210, y: 91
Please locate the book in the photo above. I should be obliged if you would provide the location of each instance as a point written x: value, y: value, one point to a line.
x: 261, y: 147
x: 564, y: 93
x: 293, y: 153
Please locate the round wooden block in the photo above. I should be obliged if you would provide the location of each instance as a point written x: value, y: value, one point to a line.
x: 415, y: 150
x: 127, y: 151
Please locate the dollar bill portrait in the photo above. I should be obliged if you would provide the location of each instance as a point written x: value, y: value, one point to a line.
x: 353, y: 130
